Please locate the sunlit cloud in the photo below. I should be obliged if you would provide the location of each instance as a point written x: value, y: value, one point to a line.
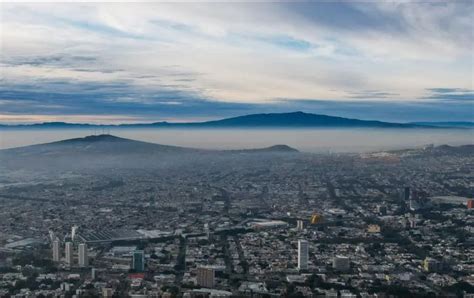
x: 166, y: 59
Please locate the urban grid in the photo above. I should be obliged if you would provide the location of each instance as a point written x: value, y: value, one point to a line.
x: 288, y: 224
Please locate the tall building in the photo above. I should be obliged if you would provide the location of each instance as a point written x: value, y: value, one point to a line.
x: 470, y: 204
x: 56, y: 250
x: 299, y: 225
x: 207, y: 230
x: 138, y: 261
x: 69, y: 253
x: 205, y: 277
x: 341, y: 263
x: 73, y: 232
x: 83, y: 255
x: 406, y: 193
x: 51, y: 236
x: 413, y: 204
x: 302, y: 254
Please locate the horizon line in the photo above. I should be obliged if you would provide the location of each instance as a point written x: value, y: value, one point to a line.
x: 27, y: 124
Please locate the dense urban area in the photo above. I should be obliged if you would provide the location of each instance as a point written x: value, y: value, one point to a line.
x: 242, y: 224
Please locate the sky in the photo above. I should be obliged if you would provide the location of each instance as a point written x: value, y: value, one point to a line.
x: 145, y: 62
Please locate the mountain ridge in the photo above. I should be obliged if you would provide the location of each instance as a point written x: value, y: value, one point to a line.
x: 110, y: 144
x: 449, y: 124
x: 108, y: 152
x: 263, y: 120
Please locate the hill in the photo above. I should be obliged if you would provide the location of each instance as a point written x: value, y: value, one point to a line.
x: 111, y: 152
x: 462, y: 150
x: 112, y: 145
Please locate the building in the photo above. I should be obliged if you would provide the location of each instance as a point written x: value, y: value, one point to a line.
x: 107, y: 292
x: 470, y: 204
x: 373, y: 228
x: 83, y: 255
x: 73, y: 232
x: 316, y: 218
x: 302, y: 254
x: 341, y: 263
x: 406, y: 193
x: 299, y: 225
x: 56, y: 250
x: 268, y: 224
x: 347, y: 294
x: 205, y: 277
x: 207, y: 230
x: 195, y: 293
x: 431, y: 265
x: 138, y: 261
x: 382, y: 210
x: 69, y: 253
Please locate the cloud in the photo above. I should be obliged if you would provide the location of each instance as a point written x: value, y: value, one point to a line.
x: 229, y: 58
x: 112, y: 98
x: 448, y: 90
x: 370, y: 94
x: 451, y: 94
x: 383, y: 110
x: 112, y: 102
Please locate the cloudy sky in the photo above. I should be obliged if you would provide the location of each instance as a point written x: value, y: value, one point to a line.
x: 128, y: 62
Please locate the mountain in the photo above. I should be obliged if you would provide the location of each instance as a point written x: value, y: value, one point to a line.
x: 277, y: 120
x: 111, y: 152
x: 271, y: 149
x: 112, y: 145
x: 297, y: 119
x: 451, y: 124
x: 95, y: 144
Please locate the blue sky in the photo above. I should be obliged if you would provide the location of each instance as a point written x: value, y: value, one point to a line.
x: 129, y: 62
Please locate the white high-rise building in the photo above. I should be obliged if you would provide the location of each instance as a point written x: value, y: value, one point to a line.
x: 299, y: 225
x: 73, y: 232
x: 69, y: 253
x: 205, y: 277
x: 56, y: 250
x: 83, y: 256
x: 302, y: 254
x: 52, y: 237
x: 207, y: 230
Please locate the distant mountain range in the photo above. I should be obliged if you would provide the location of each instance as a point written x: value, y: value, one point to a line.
x: 272, y: 120
x: 110, y: 152
x: 463, y: 150
x: 450, y: 124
